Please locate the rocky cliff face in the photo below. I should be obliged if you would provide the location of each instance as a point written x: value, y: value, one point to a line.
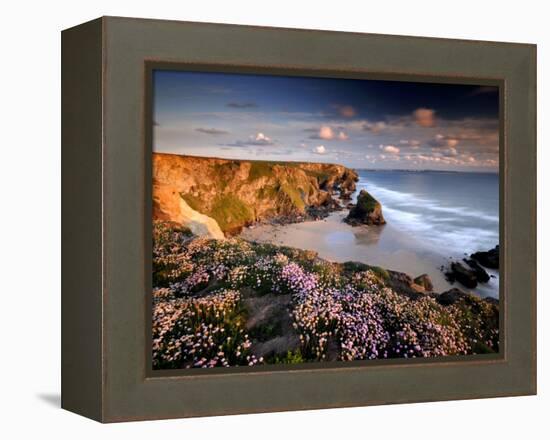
x: 234, y: 193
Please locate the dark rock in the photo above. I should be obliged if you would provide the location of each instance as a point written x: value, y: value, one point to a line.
x: 425, y: 282
x: 463, y: 275
x: 455, y: 295
x: 269, y: 324
x: 489, y: 259
x: 403, y: 284
x: 367, y: 211
x: 345, y: 194
x: 450, y: 296
x: 481, y: 275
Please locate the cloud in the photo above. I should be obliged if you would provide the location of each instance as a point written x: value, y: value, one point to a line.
x: 391, y: 149
x: 424, y: 117
x: 450, y: 152
x: 213, y: 131
x: 242, y: 104
x: 347, y: 111
x: 320, y: 149
x: 257, y: 140
x: 440, y: 141
x: 260, y: 139
x: 326, y: 133
x: 410, y: 142
x: 374, y: 127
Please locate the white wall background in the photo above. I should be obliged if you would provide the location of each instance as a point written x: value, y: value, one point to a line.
x: 30, y: 218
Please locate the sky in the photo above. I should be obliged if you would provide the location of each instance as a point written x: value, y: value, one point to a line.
x: 362, y: 124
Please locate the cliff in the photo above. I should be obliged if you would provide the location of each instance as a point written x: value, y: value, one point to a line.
x: 212, y: 196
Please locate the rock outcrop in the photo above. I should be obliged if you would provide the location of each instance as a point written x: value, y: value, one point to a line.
x: 425, y: 282
x: 236, y: 193
x: 472, y: 273
x: 481, y: 274
x: 467, y: 276
x: 451, y: 296
x: 367, y: 211
x: 458, y: 272
x: 489, y: 259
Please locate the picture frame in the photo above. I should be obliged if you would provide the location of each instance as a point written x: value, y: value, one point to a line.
x: 106, y: 218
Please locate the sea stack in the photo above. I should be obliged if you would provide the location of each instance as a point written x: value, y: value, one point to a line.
x: 367, y: 211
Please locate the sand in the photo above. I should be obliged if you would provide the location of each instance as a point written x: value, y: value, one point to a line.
x: 383, y: 246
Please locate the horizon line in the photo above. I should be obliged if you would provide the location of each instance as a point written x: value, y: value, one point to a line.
x: 334, y: 163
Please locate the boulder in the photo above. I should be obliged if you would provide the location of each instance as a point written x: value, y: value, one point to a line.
x: 489, y: 259
x: 481, y: 275
x: 367, y: 211
x: 425, y: 282
x: 403, y: 284
x: 463, y: 275
x: 450, y: 296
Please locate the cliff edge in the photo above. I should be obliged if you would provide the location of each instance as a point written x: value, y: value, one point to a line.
x: 226, y: 195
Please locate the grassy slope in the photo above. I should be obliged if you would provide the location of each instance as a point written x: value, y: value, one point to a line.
x: 255, y: 273
x: 231, y: 213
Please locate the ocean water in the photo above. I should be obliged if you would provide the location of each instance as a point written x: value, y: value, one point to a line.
x: 433, y: 218
x: 448, y: 213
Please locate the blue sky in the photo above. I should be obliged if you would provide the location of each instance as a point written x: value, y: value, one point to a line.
x: 358, y: 123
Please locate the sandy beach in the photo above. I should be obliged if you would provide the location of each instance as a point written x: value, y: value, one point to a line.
x: 384, y: 246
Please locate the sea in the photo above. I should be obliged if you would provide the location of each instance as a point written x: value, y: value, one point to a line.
x: 433, y: 218
x: 452, y: 212
x: 449, y: 213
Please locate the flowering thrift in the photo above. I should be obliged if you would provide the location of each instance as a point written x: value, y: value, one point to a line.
x: 201, y: 308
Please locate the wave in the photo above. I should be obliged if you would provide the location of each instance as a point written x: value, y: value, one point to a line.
x: 387, y: 197
x: 450, y: 230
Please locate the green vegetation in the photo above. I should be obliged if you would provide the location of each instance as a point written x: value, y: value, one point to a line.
x: 365, y: 203
x: 294, y: 195
x: 264, y: 168
x: 259, y: 170
x: 233, y: 302
x: 291, y: 357
x: 230, y: 212
x: 225, y: 172
x: 355, y: 266
x: 194, y: 202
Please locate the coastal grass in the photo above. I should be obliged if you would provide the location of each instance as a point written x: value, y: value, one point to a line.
x: 294, y: 195
x: 230, y: 212
x: 265, y: 168
x: 227, y: 209
x: 259, y: 169
x: 355, y: 266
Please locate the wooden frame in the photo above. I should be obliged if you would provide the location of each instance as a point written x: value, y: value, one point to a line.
x: 106, y: 211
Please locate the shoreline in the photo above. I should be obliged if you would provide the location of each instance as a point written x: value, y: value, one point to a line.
x: 384, y: 246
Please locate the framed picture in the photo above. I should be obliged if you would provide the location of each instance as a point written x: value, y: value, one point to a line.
x: 262, y: 219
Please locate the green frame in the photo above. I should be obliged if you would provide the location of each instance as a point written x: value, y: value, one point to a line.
x: 106, y: 215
